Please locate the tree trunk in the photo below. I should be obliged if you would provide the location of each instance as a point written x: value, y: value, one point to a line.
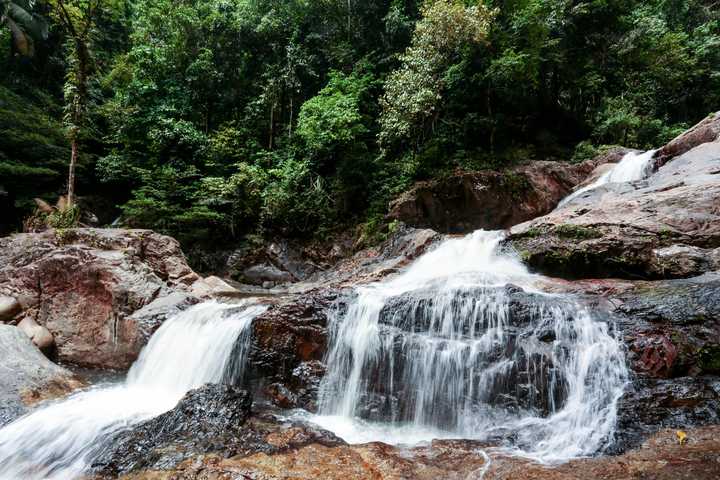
x: 79, y: 103
x: 71, y: 174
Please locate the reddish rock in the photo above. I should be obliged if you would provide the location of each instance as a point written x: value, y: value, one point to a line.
x: 707, y: 130
x: 83, y: 285
x: 467, y: 201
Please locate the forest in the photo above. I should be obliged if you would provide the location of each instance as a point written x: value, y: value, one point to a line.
x: 216, y: 121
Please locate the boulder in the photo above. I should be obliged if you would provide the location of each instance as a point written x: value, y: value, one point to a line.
x: 83, y: 285
x: 149, y: 318
x: 40, y: 336
x: 266, y: 272
x: 288, y: 345
x: 671, y: 328
x: 26, y: 376
x: 491, y: 200
x: 213, y: 286
x: 213, y: 419
x: 9, y: 307
x: 667, y: 226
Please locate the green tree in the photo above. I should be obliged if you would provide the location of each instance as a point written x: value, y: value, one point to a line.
x: 413, y: 94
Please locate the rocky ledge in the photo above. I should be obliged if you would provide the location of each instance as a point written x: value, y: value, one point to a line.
x: 212, y: 433
x: 86, y: 287
x: 667, y: 226
x: 492, y: 200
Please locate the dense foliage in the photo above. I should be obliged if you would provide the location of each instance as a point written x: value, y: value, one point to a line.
x: 222, y: 118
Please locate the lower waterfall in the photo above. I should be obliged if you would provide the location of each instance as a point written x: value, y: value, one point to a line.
x: 464, y: 344
x: 58, y: 442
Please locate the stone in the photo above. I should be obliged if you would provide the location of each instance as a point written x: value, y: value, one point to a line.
x: 667, y: 226
x: 213, y: 419
x: 213, y: 286
x: 26, y: 376
x: 84, y: 284
x: 258, y: 274
x: 39, y: 335
x: 705, y: 131
x: 491, y: 200
x: 149, y: 318
x: 288, y: 344
x: 9, y: 307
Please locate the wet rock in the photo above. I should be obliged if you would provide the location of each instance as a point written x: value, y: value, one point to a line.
x: 650, y: 405
x: 667, y: 226
x: 9, y: 307
x: 205, y: 420
x: 149, y: 318
x: 671, y: 328
x: 288, y: 344
x: 84, y: 284
x: 214, y: 419
x: 26, y: 376
x: 492, y: 200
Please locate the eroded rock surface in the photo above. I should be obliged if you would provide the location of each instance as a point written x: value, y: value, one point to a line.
x: 84, y: 285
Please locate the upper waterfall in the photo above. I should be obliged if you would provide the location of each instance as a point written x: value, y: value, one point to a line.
x: 634, y: 166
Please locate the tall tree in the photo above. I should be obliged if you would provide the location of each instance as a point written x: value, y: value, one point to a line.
x: 78, y: 18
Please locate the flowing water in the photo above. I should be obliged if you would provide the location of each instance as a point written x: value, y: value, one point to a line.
x: 634, y: 166
x: 464, y: 344
x: 194, y: 348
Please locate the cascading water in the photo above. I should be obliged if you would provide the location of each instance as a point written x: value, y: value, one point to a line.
x: 634, y: 166
x: 464, y: 344
x: 194, y: 348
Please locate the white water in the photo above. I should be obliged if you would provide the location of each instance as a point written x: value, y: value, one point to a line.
x: 633, y: 167
x: 446, y: 360
x: 58, y: 442
x: 455, y: 364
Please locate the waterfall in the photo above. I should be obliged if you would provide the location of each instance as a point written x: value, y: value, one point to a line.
x: 464, y: 344
x: 189, y: 350
x: 634, y: 166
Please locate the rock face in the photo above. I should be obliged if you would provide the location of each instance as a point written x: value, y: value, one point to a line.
x: 84, y: 285
x: 667, y: 226
x: 706, y: 131
x: 26, y: 376
x: 491, y: 200
x: 212, y: 419
x: 288, y: 344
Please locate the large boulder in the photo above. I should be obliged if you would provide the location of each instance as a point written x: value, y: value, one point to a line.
x: 83, y: 286
x: 667, y: 226
x: 26, y: 376
x: 491, y: 200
